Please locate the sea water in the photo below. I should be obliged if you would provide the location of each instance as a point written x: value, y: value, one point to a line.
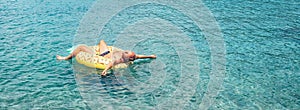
x: 262, y: 46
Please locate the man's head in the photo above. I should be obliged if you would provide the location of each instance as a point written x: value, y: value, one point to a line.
x: 131, y: 56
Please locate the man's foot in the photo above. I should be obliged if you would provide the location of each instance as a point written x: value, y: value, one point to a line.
x: 60, y: 57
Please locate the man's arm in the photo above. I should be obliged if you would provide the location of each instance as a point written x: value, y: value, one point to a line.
x: 145, y: 56
x: 110, y: 65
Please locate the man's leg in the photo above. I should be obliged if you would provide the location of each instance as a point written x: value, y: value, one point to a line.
x: 102, y: 46
x: 75, y: 52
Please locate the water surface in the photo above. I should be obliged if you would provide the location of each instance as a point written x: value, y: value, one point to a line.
x: 262, y: 60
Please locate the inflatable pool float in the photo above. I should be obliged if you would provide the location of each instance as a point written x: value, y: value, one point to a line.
x: 96, y: 61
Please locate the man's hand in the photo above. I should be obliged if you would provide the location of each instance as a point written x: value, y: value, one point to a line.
x: 153, y: 56
x: 109, y: 66
x: 103, y: 73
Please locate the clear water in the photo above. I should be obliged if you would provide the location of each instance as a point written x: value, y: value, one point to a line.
x: 262, y: 60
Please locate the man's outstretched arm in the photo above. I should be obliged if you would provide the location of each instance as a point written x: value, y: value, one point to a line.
x: 145, y: 56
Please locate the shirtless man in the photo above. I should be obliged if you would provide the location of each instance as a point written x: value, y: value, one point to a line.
x: 117, y: 57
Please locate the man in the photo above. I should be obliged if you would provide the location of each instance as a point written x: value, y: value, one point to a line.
x: 116, y: 56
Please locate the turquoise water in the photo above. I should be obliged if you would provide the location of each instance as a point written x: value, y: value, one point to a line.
x: 262, y: 59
